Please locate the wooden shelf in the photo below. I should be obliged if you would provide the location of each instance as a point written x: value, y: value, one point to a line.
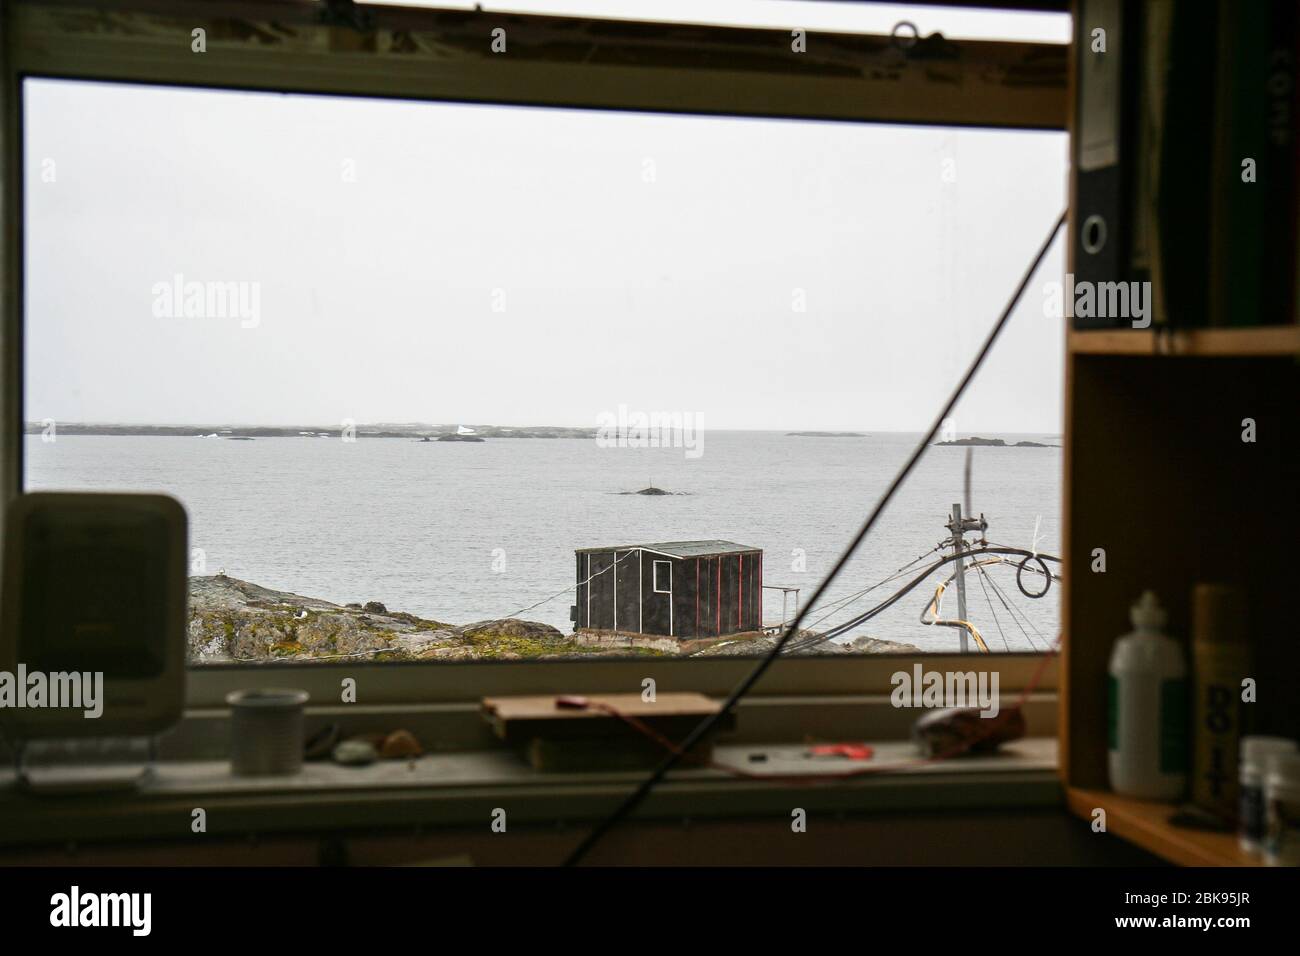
x: 1146, y: 823
x: 1158, y: 477
x: 1268, y: 340
x: 1160, y: 483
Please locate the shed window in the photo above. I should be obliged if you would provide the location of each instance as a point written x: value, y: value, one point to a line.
x: 663, y: 577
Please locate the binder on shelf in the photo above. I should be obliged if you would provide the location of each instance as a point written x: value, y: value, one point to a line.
x: 1282, y: 158
x: 1277, y: 106
x: 1106, y: 69
x: 1253, y: 254
x: 1187, y: 137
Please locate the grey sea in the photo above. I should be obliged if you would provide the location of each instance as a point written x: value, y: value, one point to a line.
x: 461, y: 532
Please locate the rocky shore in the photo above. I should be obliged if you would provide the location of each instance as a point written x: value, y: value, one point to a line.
x: 234, y: 621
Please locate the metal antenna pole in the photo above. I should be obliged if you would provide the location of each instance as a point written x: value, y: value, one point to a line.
x: 959, y: 548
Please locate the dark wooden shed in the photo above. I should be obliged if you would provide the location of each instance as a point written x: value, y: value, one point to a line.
x: 683, y: 589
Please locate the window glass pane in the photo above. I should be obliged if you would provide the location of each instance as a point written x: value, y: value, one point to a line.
x: 398, y: 355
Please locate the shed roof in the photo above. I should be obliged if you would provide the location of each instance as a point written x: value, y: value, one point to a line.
x: 680, y: 549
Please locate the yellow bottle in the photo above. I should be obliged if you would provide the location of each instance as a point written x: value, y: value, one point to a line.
x: 1220, y: 663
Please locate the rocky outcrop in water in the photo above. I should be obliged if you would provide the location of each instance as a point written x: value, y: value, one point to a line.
x: 825, y: 435
x: 418, y: 431
x: 977, y: 442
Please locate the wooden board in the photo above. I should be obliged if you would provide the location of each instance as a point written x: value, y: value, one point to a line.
x: 519, y: 720
x: 596, y: 755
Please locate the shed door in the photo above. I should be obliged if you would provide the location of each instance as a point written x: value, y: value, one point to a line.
x: 627, y: 588
x: 601, y: 585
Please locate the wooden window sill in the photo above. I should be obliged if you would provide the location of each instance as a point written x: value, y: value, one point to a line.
x: 462, y: 789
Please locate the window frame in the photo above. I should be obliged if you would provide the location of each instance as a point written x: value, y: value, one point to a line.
x: 450, y: 683
x: 673, y: 68
x: 654, y: 580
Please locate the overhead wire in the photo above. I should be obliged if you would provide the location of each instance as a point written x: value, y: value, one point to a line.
x: 570, y: 587
x: 982, y: 575
x: 1013, y: 610
x: 996, y: 590
x: 836, y: 606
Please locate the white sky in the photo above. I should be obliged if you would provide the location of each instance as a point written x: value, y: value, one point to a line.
x: 670, y: 292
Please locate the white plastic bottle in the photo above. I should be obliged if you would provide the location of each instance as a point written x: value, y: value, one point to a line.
x: 1256, y: 752
x: 1148, y: 709
x: 1282, y: 802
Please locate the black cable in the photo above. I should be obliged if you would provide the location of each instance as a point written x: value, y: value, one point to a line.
x: 836, y: 606
x: 1020, y: 570
x: 862, y: 618
x: 894, y: 598
x: 707, y: 726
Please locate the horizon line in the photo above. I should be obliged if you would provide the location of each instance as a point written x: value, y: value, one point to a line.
x: 38, y: 423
